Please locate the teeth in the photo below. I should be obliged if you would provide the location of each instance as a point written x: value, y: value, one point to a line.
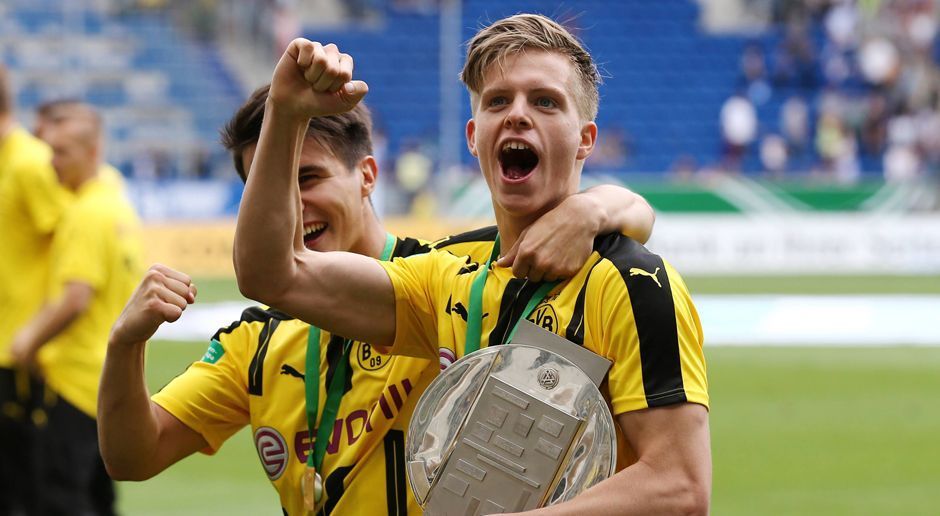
x: 514, y: 146
x: 313, y: 228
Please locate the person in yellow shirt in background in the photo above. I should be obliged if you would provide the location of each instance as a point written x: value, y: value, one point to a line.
x: 94, y: 266
x: 48, y: 112
x: 31, y: 202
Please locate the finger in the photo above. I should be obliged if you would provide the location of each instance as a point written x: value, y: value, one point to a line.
x: 318, y: 63
x: 179, y: 288
x: 520, y: 268
x: 168, y: 296
x: 507, y: 259
x: 331, y: 73
x: 170, y: 312
x: 353, y: 92
x: 535, y: 274
x: 344, y: 74
x: 182, y: 277
x: 303, y: 52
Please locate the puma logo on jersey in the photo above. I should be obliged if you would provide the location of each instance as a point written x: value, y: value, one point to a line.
x: 290, y: 371
x: 640, y: 272
x: 459, y: 309
x: 470, y: 267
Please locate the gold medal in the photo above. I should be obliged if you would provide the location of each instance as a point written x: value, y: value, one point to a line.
x: 312, y: 489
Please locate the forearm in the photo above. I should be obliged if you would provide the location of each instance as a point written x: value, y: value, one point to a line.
x: 128, y: 431
x: 267, y: 220
x: 639, y: 489
x: 621, y: 210
x: 54, y: 318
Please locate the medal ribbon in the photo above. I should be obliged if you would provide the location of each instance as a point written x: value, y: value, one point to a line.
x: 334, y: 393
x: 475, y: 311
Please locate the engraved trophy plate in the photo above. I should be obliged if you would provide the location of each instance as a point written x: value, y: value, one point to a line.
x: 511, y: 428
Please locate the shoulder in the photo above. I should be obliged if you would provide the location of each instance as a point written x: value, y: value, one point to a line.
x: 253, y: 320
x: 481, y: 235
x: 644, y: 274
x: 623, y: 251
x: 408, y: 246
x: 477, y: 243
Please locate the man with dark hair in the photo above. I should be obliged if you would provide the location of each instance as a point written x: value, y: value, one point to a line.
x: 262, y: 370
x: 31, y: 202
x: 533, y: 99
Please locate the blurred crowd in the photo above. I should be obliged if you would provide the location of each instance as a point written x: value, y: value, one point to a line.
x: 839, y: 87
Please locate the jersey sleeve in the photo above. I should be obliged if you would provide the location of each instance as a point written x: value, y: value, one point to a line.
x: 80, y: 251
x: 422, y: 284
x: 651, y: 331
x: 43, y: 197
x: 211, y: 396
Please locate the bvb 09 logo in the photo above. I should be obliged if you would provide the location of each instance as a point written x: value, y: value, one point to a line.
x: 370, y: 359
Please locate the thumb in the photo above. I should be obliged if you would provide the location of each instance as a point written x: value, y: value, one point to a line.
x: 354, y: 91
x: 507, y: 259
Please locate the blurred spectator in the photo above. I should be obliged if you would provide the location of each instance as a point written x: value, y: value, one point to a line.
x: 754, y: 74
x: 837, y: 150
x: 874, y: 130
x: 794, y: 122
x: 611, y: 150
x: 739, y: 128
x: 684, y: 168
x: 774, y: 155
x: 413, y: 170
x: 901, y: 164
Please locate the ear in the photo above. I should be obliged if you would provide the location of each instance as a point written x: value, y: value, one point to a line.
x: 588, y: 140
x: 369, y: 170
x: 471, y: 137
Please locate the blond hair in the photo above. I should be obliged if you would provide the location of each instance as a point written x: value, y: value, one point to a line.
x: 532, y: 31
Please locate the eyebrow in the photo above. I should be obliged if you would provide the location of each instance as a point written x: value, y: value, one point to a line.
x: 311, y: 169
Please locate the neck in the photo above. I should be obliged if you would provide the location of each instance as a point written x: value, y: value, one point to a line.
x: 6, y: 125
x: 372, y: 242
x: 83, y: 177
x: 511, y: 226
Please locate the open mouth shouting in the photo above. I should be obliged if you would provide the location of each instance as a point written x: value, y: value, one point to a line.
x: 517, y: 161
x: 312, y: 232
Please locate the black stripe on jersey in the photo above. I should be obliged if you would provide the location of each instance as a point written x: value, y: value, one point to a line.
x: 335, y: 485
x: 395, y: 486
x: 515, y: 297
x: 575, y: 329
x: 334, y: 353
x: 487, y: 234
x: 256, y: 368
x: 655, y: 316
x: 251, y: 315
x: 408, y: 246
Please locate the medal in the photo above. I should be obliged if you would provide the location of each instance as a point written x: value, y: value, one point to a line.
x: 311, y: 487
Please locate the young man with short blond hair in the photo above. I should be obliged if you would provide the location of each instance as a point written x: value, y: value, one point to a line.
x: 531, y: 138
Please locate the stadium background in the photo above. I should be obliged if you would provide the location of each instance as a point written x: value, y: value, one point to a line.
x: 790, y: 148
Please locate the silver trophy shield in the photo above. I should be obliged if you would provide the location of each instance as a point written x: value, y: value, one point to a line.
x: 511, y: 428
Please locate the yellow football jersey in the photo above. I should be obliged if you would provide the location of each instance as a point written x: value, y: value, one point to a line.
x: 626, y: 304
x: 253, y: 374
x: 31, y: 203
x: 96, y: 243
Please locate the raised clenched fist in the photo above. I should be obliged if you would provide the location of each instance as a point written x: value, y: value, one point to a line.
x: 313, y: 80
x: 161, y: 297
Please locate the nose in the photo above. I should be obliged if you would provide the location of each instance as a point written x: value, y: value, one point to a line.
x: 518, y: 115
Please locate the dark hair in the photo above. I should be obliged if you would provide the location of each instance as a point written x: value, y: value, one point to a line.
x: 6, y: 101
x: 348, y: 135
